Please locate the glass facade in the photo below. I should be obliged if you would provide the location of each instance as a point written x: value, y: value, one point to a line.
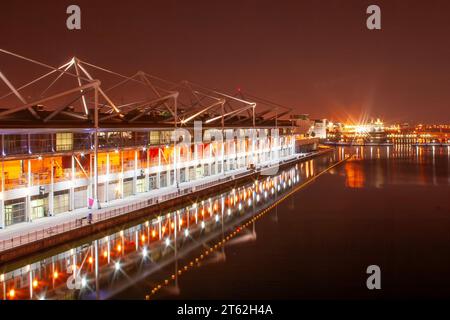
x: 15, y: 211
x: 54, y: 172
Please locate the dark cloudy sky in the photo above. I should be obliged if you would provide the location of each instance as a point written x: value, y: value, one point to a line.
x: 316, y: 56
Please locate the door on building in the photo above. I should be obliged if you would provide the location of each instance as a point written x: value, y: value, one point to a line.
x: 61, y: 202
x: 80, y: 195
x: 113, y: 190
x: 163, y: 179
x: 140, y: 185
x: 15, y: 211
x: 199, y: 173
x: 191, y: 173
x: 127, y: 187
x: 39, y: 206
x: 182, y: 175
x: 101, y: 192
x: 152, y: 181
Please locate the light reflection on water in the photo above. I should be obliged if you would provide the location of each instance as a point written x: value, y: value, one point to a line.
x: 400, y: 164
x: 131, y: 256
x: 385, y: 205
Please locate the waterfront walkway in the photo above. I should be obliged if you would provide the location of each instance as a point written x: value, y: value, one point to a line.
x: 27, y: 232
x: 49, y: 225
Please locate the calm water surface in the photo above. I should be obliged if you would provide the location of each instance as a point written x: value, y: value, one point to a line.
x: 154, y: 250
x: 387, y: 206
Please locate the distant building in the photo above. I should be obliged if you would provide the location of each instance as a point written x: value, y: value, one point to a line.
x: 367, y: 133
x: 302, y: 123
x: 319, y: 129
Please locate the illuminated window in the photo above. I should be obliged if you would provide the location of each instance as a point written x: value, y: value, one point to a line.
x: 154, y: 137
x: 64, y: 141
x: 14, y: 174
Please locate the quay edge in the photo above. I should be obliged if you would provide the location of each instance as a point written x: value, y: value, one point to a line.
x: 32, y: 250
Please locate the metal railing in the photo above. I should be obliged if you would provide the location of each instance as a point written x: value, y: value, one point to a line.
x: 103, y: 214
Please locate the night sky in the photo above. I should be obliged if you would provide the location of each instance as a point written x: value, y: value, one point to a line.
x: 316, y: 56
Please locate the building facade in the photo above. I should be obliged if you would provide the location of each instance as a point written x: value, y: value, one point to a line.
x: 51, y: 172
x: 93, y: 136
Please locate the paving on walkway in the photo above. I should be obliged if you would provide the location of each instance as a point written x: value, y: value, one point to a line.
x: 25, y: 228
